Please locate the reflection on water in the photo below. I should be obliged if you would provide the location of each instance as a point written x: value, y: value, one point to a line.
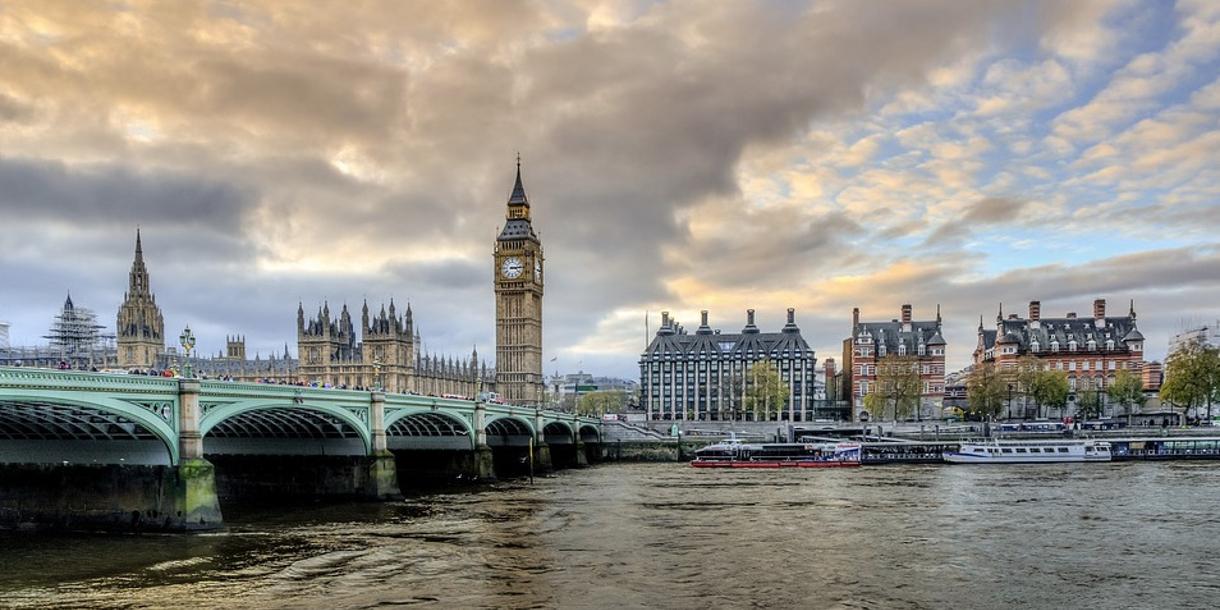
x: 666, y: 535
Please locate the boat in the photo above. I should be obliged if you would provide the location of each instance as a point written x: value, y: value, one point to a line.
x: 1030, y: 452
x: 733, y: 453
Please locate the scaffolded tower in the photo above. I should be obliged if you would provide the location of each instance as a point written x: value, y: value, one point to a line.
x: 77, y: 337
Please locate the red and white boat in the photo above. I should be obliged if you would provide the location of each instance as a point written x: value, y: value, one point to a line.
x: 736, y: 454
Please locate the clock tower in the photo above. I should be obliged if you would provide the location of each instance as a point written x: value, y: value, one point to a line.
x: 518, y: 279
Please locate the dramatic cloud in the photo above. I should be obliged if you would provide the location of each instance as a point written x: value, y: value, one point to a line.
x: 679, y: 155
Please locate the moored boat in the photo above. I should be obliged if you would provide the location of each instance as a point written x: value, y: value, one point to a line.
x: 735, y: 454
x: 1030, y: 452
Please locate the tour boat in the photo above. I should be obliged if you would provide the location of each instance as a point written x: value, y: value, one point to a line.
x: 1030, y: 452
x: 736, y: 454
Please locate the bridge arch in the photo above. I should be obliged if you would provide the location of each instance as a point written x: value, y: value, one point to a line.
x: 590, y: 434
x: 508, y: 430
x: 252, y: 426
x: 428, y: 429
x: 102, y: 429
x: 558, y: 432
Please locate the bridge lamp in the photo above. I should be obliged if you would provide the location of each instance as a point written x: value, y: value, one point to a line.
x: 187, y: 341
x: 377, y: 373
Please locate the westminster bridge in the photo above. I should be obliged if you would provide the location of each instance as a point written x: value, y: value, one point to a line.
x: 110, y: 451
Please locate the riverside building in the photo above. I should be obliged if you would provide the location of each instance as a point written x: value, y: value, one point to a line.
x: 872, y: 342
x: 1090, y: 350
x: 703, y: 376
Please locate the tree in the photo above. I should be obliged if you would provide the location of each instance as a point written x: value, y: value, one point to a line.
x: 765, y: 389
x: 1088, y: 402
x: 601, y: 402
x: 1192, y: 377
x: 985, y: 390
x: 1051, y: 390
x: 1027, y: 375
x: 1127, y: 391
x: 897, y: 389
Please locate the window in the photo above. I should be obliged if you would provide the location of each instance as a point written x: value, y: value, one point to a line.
x: 1006, y: 450
x: 1035, y: 346
x: 1072, y: 345
x: 1020, y: 449
x: 923, y: 351
x: 902, y: 349
x: 1055, y: 345
x: 1063, y: 450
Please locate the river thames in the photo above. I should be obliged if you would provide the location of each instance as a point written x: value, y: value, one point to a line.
x: 1130, y: 535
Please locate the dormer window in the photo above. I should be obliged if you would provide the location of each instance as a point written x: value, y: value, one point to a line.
x: 923, y: 351
x: 1034, y: 345
x: 1092, y: 345
x: 1054, y: 345
x: 902, y: 349
x: 1109, y: 344
x: 881, y: 350
x: 1072, y: 345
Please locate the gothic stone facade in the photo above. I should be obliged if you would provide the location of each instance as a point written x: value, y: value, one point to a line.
x: 518, y: 264
x: 387, y: 355
x: 703, y: 376
x: 1090, y: 350
x: 141, y: 328
x: 870, y: 342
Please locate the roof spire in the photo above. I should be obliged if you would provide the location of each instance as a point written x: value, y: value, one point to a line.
x: 139, y: 246
x: 518, y: 196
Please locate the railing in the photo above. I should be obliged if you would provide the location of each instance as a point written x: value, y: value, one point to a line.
x: 59, y: 380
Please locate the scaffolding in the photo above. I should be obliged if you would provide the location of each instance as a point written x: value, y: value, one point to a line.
x: 77, y: 339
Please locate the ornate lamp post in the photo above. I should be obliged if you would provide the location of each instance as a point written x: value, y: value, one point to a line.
x: 377, y: 374
x: 187, y: 341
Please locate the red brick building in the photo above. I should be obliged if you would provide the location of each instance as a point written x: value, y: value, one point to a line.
x: 872, y: 341
x: 1090, y: 350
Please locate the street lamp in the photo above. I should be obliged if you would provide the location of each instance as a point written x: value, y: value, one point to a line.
x: 187, y: 341
x: 1010, y: 401
x: 377, y: 374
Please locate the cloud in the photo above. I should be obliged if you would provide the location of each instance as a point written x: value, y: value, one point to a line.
x: 678, y: 154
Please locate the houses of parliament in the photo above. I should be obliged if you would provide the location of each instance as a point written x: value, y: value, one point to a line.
x: 387, y: 350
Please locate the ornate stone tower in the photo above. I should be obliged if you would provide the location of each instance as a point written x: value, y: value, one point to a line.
x: 388, y: 349
x: 141, y: 329
x: 518, y: 279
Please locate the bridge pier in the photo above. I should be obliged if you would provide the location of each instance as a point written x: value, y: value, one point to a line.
x: 200, y: 506
x: 582, y: 456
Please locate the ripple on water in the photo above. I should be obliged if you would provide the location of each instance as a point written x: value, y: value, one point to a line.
x: 1129, y: 535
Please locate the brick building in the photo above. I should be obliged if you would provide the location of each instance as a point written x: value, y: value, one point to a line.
x: 1090, y: 350
x: 870, y: 342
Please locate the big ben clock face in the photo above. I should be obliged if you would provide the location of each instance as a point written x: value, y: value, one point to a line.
x: 512, y: 267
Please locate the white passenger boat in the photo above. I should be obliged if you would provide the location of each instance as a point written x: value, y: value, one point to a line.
x: 1030, y: 452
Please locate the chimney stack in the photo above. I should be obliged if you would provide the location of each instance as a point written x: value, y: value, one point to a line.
x: 664, y: 319
x: 906, y: 314
x: 749, y: 317
x: 855, y: 318
x: 1099, y: 308
x: 791, y: 315
x: 703, y: 317
x: 1035, y: 310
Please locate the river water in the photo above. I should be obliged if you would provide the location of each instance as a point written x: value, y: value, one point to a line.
x: 1130, y: 535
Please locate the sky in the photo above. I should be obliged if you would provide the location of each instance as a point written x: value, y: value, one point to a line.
x: 678, y: 156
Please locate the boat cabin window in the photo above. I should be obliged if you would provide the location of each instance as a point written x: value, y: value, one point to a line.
x: 1006, y: 450
x: 991, y: 451
x: 1020, y: 449
x: 978, y: 450
x: 1035, y: 450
